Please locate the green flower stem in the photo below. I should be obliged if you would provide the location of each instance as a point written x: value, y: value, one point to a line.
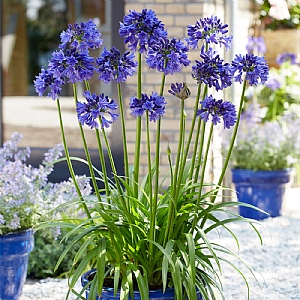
x: 203, y: 167
x: 202, y: 127
x: 233, y: 138
x: 173, y: 201
x: 149, y: 166
x: 117, y: 181
x: 70, y: 166
x: 125, y: 150
x: 86, y: 150
x: 103, y: 164
x: 138, y: 131
x: 191, y: 133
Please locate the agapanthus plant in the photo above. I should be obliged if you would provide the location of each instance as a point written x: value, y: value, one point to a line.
x: 151, y: 233
x: 26, y: 195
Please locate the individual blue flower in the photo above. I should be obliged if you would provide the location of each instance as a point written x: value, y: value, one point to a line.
x: 286, y: 57
x: 155, y: 105
x: 180, y: 90
x: 140, y: 30
x: 254, y: 67
x: 210, y: 30
x: 96, y: 108
x: 46, y: 80
x: 72, y: 65
x: 256, y: 44
x: 218, y: 109
x: 212, y: 70
x: 112, y: 66
x: 81, y: 37
x: 168, y: 56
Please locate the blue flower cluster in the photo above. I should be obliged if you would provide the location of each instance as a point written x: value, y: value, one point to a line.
x: 144, y: 33
x: 155, y: 105
x: 211, y: 30
x: 286, y: 57
x: 218, y: 109
x: 168, y: 56
x: 112, y: 66
x: 142, y: 30
x: 97, y: 107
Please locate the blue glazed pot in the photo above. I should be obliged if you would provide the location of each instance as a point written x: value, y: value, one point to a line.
x: 108, y: 293
x: 263, y: 189
x: 14, y: 251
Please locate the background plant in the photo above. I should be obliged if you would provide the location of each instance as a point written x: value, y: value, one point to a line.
x: 139, y: 232
x: 281, y: 90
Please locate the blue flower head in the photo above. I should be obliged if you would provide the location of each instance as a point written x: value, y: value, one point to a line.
x: 168, y: 56
x: 97, y: 108
x: 217, y: 109
x: 155, y: 105
x: 255, y: 68
x: 140, y: 30
x: 212, y: 70
x: 209, y: 30
x: 46, y: 80
x: 81, y: 37
x: 113, y: 66
x: 180, y: 90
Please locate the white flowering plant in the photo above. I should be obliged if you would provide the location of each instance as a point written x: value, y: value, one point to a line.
x: 26, y: 196
x: 269, y: 145
x: 138, y: 233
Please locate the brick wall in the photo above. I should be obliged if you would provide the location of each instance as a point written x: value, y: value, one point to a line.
x: 176, y: 15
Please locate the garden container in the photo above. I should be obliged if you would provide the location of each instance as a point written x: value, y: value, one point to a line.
x: 14, y: 251
x: 263, y: 189
x: 108, y: 293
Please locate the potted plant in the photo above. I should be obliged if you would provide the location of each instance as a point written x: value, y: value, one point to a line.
x: 26, y: 198
x: 262, y: 160
x: 281, y: 91
x: 280, y: 20
x: 149, y: 236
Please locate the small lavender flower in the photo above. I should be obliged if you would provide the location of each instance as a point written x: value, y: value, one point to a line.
x: 272, y: 83
x: 113, y: 66
x: 217, y: 109
x: 81, y: 37
x: 212, y: 70
x: 180, y: 90
x: 96, y: 109
x: 254, y: 67
x: 15, y: 222
x: 256, y: 44
x: 210, y: 30
x: 2, y: 220
x: 287, y: 57
x: 155, y: 105
x: 168, y: 56
x: 140, y: 30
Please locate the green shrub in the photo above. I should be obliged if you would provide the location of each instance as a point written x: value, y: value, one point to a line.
x: 46, y: 252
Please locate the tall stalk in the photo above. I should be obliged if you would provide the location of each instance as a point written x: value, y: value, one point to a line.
x: 70, y: 166
x: 137, y: 152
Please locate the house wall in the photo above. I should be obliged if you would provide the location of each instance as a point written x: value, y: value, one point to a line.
x: 176, y: 15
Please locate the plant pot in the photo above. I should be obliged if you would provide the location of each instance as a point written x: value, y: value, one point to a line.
x: 14, y: 251
x: 108, y: 293
x: 275, y: 46
x: 263, y: 189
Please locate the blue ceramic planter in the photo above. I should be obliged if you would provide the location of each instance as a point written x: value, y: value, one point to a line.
x: 14, y: 251
x: 263, y: 189
x: 108, y: 293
